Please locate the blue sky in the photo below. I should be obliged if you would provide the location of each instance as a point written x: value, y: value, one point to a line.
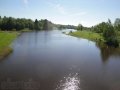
x: 86, y: 12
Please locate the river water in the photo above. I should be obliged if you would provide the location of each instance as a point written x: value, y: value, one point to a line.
x: 51, y: 60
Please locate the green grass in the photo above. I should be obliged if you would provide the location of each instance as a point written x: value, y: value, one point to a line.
x: 26, y: 30
x: 5, y: 40
x: 87, y: 35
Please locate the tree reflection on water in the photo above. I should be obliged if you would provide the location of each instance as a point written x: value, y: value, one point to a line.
x: 107, y: 52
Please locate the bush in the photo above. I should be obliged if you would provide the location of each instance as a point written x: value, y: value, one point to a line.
x: 14, y: 29
x: 109, y: 35
x: 112, y: 42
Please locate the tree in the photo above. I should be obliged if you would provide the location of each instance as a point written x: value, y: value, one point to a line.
x: 19, y: 24
x: 80, y: 27
x: 45, y: 24
x: 0, y: 22
x: 100, y: 27
x: 10, y: 23
x: 30, y: 24
x: 117, y: 24
x: 36, y: 25
x: 109, y: 34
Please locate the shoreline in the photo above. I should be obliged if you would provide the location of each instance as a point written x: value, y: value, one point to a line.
x: 98, y: 38
x: 87, y: 35
x: 7, y: 38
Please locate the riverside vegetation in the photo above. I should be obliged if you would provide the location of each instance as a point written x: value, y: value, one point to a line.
x: 105, y: 32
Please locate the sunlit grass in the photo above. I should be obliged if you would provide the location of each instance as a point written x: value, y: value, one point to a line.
x: 5, y: 40
x: 87, y: 35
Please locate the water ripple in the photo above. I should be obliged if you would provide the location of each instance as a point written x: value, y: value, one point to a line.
x: 72, y: 82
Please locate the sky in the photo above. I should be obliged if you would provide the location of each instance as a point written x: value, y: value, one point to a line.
x: 74, y: 12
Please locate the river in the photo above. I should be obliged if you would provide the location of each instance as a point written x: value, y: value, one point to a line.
x: 51, y: 60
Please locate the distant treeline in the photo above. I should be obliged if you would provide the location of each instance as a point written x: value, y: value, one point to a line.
x: 10, y: 23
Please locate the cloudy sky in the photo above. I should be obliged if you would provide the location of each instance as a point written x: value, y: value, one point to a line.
x: 86, y: 12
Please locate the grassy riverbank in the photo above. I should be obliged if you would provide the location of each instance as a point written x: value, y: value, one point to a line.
x: 87, y: 35
x: 5, y: 40
x: 91, y: 36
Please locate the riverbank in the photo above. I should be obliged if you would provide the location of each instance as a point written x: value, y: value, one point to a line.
x: 91, y: 36
x: 87, y: 35
x: 6, y: 37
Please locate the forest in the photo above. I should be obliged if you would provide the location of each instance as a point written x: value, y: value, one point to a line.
x: 16, y: 24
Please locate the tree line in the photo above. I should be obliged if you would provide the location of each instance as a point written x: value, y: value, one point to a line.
x: 10, y: 23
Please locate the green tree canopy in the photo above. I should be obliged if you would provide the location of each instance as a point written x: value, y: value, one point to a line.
x: 117, y: 24
x: 80, y: 27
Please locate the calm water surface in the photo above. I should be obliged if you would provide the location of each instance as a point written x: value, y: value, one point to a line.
x: 57, y: 61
